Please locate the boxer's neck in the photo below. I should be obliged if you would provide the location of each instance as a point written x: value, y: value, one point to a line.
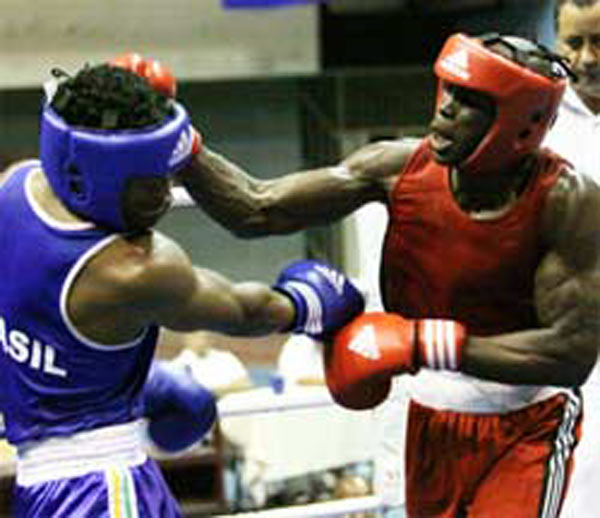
x: 48, y: 201
x: 488, y: 197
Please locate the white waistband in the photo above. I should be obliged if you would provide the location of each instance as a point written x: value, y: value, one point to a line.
x: 81, y: 453
x: 462, y: 393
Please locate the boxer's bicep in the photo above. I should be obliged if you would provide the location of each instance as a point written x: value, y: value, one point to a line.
x: 567, y: 281
x: 562, y: 348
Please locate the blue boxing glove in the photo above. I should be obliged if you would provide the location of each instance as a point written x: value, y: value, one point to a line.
x: 325, y: 299
x: 180, y: 411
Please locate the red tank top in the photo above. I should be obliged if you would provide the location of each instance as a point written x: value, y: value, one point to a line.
x: 440, y: 262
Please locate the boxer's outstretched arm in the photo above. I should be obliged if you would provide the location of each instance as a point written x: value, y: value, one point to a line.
x: 147, y: 279
x: 567, y: 298
x: 251, y: 207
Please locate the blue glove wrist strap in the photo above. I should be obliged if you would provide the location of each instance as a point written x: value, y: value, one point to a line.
x: 309, y: 312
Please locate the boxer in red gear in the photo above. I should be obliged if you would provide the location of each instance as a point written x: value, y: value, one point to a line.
x: 491, y: 237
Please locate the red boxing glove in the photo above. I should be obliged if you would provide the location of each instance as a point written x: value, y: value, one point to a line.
x: 374, y: 347
x: 158, y: 76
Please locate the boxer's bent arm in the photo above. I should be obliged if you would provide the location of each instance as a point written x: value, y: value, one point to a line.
x: 243, y: 308
x: 250, y: 207
x: 188, y: 298
x: 151, y: 280
x: 567, y: 298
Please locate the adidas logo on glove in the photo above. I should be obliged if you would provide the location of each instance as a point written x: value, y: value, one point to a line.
x: 337, y: 279
x: 365, y: 344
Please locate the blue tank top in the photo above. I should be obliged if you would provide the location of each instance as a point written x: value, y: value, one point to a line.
x: 55, y: 381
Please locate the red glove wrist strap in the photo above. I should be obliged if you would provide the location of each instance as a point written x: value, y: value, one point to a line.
x: 439, y: 343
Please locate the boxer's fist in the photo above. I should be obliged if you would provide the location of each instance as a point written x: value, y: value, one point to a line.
x: 374, y: 347
x: 131, y: 61
x: 364, y: 356
x: 180, y: 411
x: 324, y: 298
x: 158, y: 76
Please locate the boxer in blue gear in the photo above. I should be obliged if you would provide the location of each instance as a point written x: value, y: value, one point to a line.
x: 87, y: 283
x: 85, y: 158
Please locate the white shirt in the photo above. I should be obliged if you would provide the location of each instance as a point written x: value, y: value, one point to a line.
x: 576, y: 136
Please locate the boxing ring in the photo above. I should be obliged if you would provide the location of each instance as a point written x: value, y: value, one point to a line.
x: 269, y: 412
x: 270, y: 401
x: 267, y: 404
x: 336, y: 508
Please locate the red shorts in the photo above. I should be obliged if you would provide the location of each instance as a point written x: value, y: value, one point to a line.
x: 509, y: 465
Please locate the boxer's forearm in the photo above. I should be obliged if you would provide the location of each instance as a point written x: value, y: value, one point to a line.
x: 250, y: 207
x: 223, y: 190
x: 534, y: 357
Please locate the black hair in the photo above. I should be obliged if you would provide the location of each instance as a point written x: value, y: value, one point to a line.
x: 530, y: 54
x: 108, y: 97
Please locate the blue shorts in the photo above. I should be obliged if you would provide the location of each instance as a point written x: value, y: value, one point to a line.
x: 119, y: 492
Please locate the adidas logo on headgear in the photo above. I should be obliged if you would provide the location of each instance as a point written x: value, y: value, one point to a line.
x: 457, y: 64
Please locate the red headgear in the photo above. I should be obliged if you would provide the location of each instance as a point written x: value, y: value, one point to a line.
x: 526, y: 102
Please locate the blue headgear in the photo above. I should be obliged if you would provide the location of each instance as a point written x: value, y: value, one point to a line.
x: 88, y: 169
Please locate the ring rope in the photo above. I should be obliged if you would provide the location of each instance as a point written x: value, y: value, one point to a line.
x: 335, y: 508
